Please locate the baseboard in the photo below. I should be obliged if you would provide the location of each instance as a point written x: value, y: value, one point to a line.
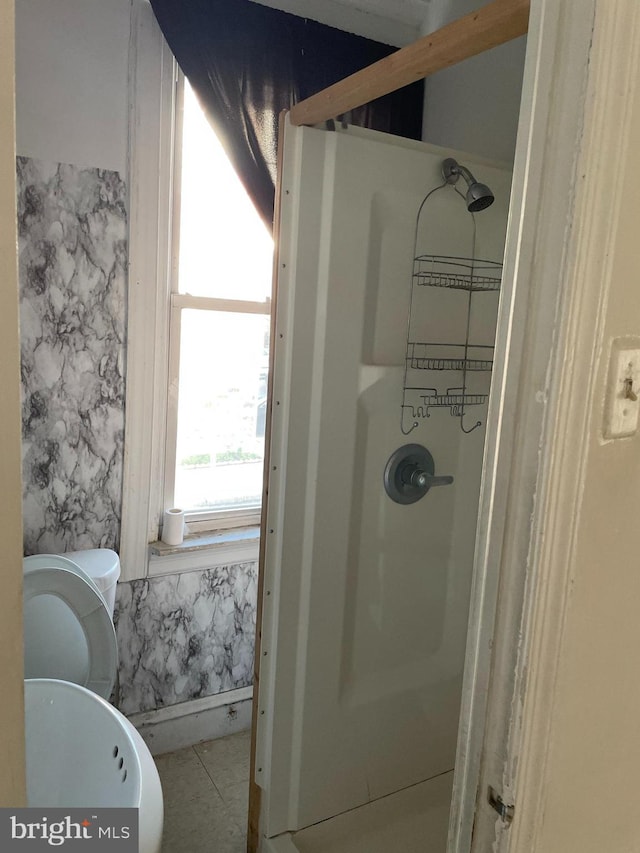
x: 211, y: 717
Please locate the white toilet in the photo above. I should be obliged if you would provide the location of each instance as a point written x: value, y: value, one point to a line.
x: 71, y: 660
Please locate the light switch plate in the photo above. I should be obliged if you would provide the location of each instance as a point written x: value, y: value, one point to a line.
x: 621, y: 409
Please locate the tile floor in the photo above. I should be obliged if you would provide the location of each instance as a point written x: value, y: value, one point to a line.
x: 206, y: 794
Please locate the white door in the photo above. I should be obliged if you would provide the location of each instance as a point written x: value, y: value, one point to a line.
x: 366, y: 599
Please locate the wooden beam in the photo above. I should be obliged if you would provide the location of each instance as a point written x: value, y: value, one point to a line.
x: 494, y: 24
x: 255, y: 791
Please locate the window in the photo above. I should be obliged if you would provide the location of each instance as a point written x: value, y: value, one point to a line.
x: 197, y: 326
x: 219, y: 336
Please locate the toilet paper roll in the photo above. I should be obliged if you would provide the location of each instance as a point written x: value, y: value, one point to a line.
x: 173, y: 527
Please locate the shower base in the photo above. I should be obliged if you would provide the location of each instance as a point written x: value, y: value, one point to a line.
x: 412, y: 821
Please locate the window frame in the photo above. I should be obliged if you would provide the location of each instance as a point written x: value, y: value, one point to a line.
x: 199, y: 520
x: 154, y: 307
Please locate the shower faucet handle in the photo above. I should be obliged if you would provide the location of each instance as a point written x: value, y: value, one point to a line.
x: 409, y: 474
x: 423, y: 479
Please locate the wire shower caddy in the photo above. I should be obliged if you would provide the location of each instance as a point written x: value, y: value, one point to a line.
x: 471, y: 276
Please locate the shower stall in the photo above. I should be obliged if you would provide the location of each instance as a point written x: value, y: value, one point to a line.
x: 389, y: 274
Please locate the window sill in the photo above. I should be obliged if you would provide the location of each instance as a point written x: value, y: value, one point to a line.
x: 205, y: 551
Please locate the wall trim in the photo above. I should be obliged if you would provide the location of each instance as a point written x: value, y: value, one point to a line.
x: 188, y: 723
x: 524, y: 397
x: 581, y: 368
x: 152, y: 93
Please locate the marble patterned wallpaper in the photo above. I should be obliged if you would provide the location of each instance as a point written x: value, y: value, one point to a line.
x: 72, y: 229
x: 180, y: 636
x: 185, y: 636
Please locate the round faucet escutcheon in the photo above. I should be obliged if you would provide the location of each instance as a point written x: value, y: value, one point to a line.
x: 410, y: 473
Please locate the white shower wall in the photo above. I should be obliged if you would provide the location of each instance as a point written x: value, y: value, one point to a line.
x: 366, y: 601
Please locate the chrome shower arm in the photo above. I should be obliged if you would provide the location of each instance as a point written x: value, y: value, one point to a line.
x: 452, y: 170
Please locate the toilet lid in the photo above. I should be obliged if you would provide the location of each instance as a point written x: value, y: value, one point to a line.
x: 68, y: 632
x: 56, y: 561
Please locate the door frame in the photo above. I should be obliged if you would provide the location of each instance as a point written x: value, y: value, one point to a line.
x: 580, y: 383
x: 582, y: 69
x: 527, y: 365
x: 13, y: 780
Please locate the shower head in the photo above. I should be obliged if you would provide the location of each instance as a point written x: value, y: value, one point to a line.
x: 479, y: 195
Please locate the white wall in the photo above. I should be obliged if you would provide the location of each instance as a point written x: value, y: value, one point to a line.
x: 71, y: 81
x: 474, y: 106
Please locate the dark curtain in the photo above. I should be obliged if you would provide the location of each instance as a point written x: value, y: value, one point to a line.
x: 247, y: 63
